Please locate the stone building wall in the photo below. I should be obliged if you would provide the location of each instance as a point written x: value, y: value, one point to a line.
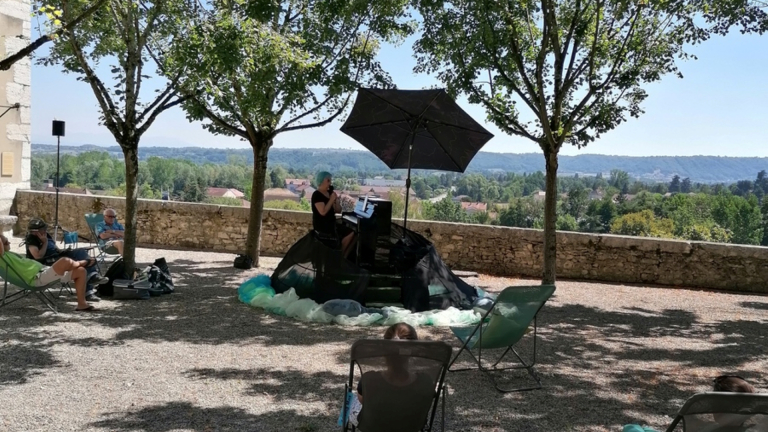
x: 15, y: 84
x: 486, y: 249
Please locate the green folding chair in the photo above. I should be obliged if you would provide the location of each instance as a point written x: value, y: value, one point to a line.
x: 10, y: 276
x: 502, y: 327
x: 104, y: 249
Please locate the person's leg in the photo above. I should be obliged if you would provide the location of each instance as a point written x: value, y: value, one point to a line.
x: 118, y: 244
x: 77, y: 275
x: 347, y: 243
x: 92, y: 273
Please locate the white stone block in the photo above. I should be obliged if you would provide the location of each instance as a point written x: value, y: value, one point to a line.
x: 18, y: 93
x: 26, y: 169
x: 22, y: 72
x: 25, y: 114
x: 8, y: 190
x: 20, y: 9
x: 26, y: 151
x: 19, y: 132
x: 14, y: 43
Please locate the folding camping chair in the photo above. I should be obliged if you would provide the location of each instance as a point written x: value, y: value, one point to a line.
x: 388, y: 407
x: 503, y: 326
x: 105, y: 249
x: 9, y: 276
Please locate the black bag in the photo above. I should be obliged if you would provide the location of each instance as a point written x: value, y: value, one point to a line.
x: 244, y: 262
x: 114, y: 272
x: 159, y: 276
x: 130, y: 290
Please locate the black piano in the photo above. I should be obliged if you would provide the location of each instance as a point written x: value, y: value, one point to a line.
x: 371, y: 220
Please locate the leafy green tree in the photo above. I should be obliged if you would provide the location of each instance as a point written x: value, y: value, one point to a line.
x: 303, y: 205
x: 685, y: 185
x: 764, y: 211
x: 523, y: 213
x: 579, y: 67
x: 277, y: 176
x: 674, y: 185
x: 577, y: 201
x: 118, y: 33
x: 258, y: 69
x: 444, y: 210
x: 620, y: 180
x: 740, y: 216
x: 227, y: 201
x: 566, y: 222
x: 642, y: 224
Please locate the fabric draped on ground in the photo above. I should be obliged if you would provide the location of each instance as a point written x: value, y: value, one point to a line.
x: 258, y: 292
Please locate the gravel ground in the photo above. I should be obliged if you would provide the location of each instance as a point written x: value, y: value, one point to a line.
x: 198, y: 360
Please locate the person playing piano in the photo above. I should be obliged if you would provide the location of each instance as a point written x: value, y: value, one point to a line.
x: 325, y: 205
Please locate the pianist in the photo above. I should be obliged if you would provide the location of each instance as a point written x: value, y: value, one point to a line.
x: 325, y: 205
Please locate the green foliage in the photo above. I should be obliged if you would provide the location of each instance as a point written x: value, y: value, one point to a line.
x: 740, y: 216
x: 523, y: 213
x: 566, y: 222
x: 303, y: 205
x: 642, y: 224
x: 444, y: 210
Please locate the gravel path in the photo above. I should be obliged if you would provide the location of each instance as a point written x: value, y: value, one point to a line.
x: 198, y: 360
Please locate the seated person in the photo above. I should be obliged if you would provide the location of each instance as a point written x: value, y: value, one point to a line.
x: 399, y: 382
x: 38, y: 275
x: 111, y: 231
x: 325, y: 205
x: 732, y: 384
x: 42, y: 248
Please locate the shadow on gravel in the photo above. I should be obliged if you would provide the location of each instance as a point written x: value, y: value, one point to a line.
x: 601, y: 369
x: 755, y: 305
x: 185, y: 416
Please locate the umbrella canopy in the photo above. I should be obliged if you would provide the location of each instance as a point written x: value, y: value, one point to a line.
x: 387, y: 122
x: 423, y: 129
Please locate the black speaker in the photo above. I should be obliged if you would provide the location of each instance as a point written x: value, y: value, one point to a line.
x: 58, y: 128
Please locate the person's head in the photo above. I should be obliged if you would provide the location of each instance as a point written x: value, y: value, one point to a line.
x: 732, y: 384
x: 401, y: 331
x: 396, y: 364
x: 323, y: 180
x: 37, y: 226
x: 110, y: 215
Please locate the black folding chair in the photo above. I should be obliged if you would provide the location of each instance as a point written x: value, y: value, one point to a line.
x: 402, y: 382
x: 723, y: 412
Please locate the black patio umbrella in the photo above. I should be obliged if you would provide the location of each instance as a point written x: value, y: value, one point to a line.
x: 423, y: 129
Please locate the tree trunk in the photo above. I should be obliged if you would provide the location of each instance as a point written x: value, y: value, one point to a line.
x: 131, y: 153
x: 550, y: 219
x: 253, y: 242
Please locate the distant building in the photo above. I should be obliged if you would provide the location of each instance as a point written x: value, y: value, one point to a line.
x: 596, y: 194
x: 224, y: 193
x: 539, y: 195
x: 474, y: 207
x: 280, y: 194
x: 293, y: 184
x: 460, y: 198
x: 382, y: 182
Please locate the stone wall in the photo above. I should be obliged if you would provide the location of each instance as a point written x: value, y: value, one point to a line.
x: 486, y: 249
x: 15, y: 130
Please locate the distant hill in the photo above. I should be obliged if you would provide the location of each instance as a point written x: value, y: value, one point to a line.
x: 704, y: 169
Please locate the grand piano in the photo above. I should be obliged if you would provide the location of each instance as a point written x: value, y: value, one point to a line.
x: 371, y: 220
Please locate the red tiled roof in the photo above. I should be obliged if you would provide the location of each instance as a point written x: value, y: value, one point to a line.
x: 220, y: 192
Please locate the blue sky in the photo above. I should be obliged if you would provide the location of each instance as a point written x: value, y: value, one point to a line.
x: 717, y: 109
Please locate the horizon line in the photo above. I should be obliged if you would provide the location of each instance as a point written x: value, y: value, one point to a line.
x: 366, y: 151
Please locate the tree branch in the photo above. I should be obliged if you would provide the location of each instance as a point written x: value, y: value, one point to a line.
x: 7, y: 62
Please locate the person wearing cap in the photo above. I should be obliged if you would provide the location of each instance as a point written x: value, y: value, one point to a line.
x: 111, y: 231
x: 42, y: 248
x: 38, y: 275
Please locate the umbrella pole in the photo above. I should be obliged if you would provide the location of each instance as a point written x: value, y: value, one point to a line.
x: 56, y: 217
x: 408, y: 183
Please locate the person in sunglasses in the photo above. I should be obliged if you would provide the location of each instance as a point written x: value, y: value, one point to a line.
x: 111, y: 231
x: 42, y: 248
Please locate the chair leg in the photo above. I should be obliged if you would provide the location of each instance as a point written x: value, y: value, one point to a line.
x: 48, y: 302
x: 488, y: 371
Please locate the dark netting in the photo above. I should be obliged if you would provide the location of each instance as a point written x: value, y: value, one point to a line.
x: 315, y: 268
x: 725, y: 412
x: 399, y: 383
